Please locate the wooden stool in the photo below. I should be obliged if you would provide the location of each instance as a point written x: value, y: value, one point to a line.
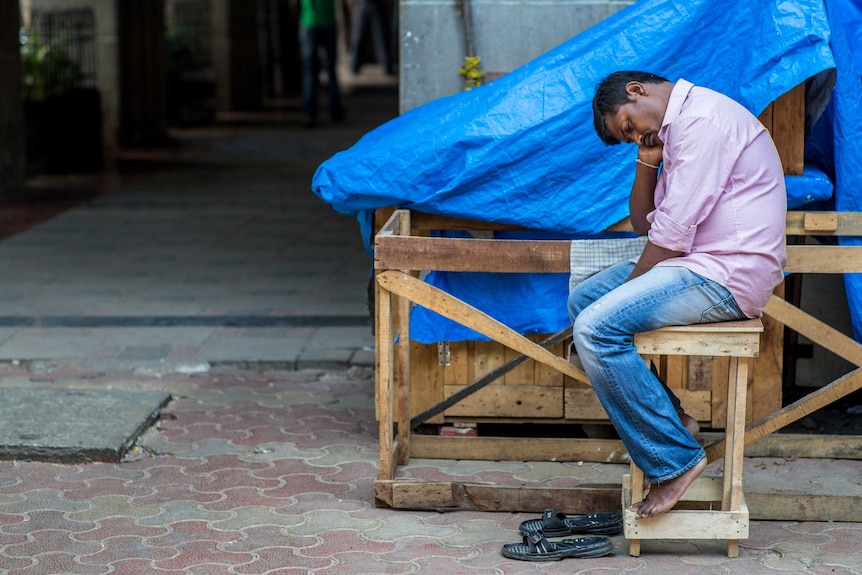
x: 711, y: 508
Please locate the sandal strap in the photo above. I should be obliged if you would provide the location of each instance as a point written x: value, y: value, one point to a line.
x: 538, y: 543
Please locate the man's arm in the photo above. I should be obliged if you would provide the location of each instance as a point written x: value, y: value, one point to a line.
x: 651, y: 255
x: 642, y: 197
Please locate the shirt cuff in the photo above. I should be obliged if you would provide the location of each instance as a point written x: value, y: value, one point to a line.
x: 669, y: 234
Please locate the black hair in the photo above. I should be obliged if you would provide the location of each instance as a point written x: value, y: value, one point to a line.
x: 611, y: 94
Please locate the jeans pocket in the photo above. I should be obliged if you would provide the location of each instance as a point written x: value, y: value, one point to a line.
x: 726, y: 310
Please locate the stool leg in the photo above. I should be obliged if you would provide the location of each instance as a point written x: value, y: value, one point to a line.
x: 636, y: 476
x: 737, y: 387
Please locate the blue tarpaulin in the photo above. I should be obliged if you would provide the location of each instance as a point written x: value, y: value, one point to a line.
x: 522, y: 149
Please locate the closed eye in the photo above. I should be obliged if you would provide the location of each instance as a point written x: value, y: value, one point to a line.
x: 626, y: 131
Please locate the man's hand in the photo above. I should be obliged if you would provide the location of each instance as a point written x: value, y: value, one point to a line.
x: 651, y: 155
x: 651, y: 255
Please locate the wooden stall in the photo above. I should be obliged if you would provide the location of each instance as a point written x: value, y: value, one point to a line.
x: 516, y: 379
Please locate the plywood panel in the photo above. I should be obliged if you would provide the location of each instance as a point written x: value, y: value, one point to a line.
x: 509, y: 401
x: 426, y: 380
x: 583, y: 405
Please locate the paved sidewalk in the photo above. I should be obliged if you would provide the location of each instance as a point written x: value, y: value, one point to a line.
x: 207, y: 251
x: 271, y: 472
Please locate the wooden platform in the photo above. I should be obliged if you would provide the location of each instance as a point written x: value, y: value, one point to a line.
x: 783, y: 480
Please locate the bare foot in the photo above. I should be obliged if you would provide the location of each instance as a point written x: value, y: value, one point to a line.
x: 663, y: 496
x: 689, y: 423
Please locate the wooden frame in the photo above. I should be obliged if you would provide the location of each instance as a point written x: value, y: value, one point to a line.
x: 403, y: 250
x: 396, y: 253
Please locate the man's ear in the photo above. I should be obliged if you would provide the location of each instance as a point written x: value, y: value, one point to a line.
x: 636, y: 89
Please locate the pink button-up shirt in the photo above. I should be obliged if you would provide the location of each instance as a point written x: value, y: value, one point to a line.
x: 720, y: 197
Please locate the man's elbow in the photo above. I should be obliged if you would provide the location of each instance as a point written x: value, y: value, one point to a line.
x: 640, y: 228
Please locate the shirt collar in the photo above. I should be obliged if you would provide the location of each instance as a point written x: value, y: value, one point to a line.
x: 677, y: 97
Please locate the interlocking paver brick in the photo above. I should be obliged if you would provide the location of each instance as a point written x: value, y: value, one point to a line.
x: 293, y: 505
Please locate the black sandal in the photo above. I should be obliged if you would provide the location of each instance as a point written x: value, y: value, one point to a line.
x: 536, y: 547
x: 559, y: 525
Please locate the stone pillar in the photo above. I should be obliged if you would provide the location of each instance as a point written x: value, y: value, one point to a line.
x: 11, y: 108
x: 236, y: 55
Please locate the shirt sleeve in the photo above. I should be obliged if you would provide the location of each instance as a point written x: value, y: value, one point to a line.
x: 699, y: 157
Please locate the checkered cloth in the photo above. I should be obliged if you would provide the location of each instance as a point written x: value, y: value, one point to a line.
x: 591, y: 256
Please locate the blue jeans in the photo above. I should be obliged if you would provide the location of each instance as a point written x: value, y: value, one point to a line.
x: 607, y: 311
x: 311, y: 41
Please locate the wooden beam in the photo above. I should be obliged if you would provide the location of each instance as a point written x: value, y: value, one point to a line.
x: 823, y: 259
x: 581, y: 500
x: 788, y: 128
x: 519, y: 449
x: 471, y: 255
x: 450, y: 307
x: 817, y: 331
x: 446, y: 495
x: 839, y: 388
x: 814, y: 223
x: 488, y: 448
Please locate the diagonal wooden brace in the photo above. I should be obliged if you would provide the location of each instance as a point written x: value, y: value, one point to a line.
x: 814, y: 329
x: 839, y: 388
x: 452, y: 308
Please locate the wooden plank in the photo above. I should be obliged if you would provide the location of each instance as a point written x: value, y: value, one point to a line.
x: 546, y: 375
x: 509, y: 401
x: 456, y: 310
x: 701, y: 342
x: 839, y: 388
x: 413, y: 495
x: 769, y: 506
x: 817, y: 331
x: 401, y: 389
x: 460, y: 368
x: 767, y: 372
x: 487, y: 356
x: 798, y: 445
x: 788, y: 129
x: 471, y: 255
x: 384, y: 390
x: 613, y: 451
x: 720, y: 371
x: 803, y: 507
x: 426, y: 381
x: 393, y: 224
x: 846, y: 223
x: 519, y: 449
x: 765, y: 117
x: 820, y: 222
x: 688, y: 524
x: 823, y: 259
x: 482, y: 497
x: 583, y: 405
x: 523, y: 373
x: 573, y: 501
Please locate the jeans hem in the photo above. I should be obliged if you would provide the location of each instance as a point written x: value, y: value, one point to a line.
x: 700, y: 456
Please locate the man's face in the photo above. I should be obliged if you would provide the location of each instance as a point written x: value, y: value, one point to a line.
x: 639, y: 120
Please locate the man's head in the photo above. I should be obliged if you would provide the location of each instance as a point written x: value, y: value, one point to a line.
x: 629, y: 107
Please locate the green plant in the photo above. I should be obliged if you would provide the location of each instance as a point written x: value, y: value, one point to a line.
x: 47, y: 68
